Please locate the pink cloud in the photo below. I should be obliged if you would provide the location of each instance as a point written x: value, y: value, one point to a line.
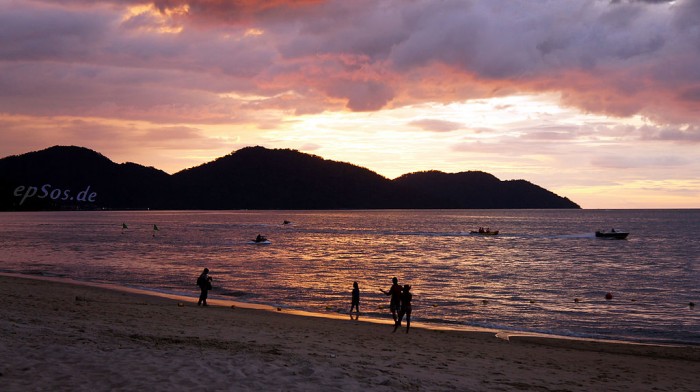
x: 435, y: 125
x: 78, y: 57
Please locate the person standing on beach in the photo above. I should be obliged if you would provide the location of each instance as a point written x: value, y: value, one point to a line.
x: 204, y: 283
x: 355, y: 298
x: 395, y: 293
x: 406, y: 298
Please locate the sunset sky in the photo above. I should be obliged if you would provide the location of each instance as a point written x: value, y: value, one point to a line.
x: 595, y: 100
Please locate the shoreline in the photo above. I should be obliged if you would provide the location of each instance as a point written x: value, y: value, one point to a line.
x: 505, y: 334
x: 498, y: 333
x: 69, y: 336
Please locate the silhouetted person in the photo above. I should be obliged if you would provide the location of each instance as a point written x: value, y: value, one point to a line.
x: 355, y: 298
x: 204, y: 283
x: 406, y: 298
x: 395, y: 293
x: 260, y: 238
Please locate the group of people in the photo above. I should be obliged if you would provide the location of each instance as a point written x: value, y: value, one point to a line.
x: 400, y: 304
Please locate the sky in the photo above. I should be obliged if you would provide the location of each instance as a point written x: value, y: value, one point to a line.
x: 595, y: 100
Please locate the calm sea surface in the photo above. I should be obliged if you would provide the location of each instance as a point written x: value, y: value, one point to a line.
x: 546, y: 272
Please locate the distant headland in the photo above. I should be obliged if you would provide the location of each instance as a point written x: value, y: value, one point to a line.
x: 77, y: 178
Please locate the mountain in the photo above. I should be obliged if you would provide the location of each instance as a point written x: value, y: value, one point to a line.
x: 476, y: 189
x: 76, y: 177
x: 258, y: 178
x: 251, y: 178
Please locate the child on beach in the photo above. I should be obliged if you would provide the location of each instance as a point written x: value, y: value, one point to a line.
x: 355, y: 298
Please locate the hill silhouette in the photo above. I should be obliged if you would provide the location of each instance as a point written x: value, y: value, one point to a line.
x: 476, y: 189
x: 72, y: 177
x: 258, y: 178
x: 49, y: 173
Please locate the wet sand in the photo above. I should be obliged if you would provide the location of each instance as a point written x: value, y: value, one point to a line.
x: 61, y: 336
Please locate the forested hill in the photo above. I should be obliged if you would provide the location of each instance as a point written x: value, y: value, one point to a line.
x: 63, y: 178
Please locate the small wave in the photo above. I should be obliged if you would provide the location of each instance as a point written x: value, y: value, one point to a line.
x: 232, y: 293
x: 42, y: 273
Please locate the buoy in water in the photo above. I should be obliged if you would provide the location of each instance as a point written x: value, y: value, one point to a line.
x: 691, y: 304
x: 577, y: 300
x: 608, y: 296
x: 483, y: 301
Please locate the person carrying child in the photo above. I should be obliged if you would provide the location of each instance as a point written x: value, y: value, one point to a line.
x: 204, y: 283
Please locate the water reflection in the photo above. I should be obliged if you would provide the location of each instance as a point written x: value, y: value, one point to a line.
x: 527, y: 277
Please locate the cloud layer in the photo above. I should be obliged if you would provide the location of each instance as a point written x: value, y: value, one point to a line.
x: 150, y: 60
x: 168, y: 69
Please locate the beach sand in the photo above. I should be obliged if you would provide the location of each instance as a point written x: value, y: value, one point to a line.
x: 67, y: 337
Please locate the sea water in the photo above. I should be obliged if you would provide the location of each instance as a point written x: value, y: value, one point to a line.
x: 545, y: 272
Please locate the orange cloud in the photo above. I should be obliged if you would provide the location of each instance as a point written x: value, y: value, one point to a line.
x: 235, y: 11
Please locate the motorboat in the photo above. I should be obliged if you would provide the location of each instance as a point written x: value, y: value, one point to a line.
x: 618, y: 235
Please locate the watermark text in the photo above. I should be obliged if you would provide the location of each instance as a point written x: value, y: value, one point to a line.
x: 47, y: 191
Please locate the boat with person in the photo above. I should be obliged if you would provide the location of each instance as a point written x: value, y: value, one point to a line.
x: 261, y: 239
x: 483, y: 231
x: 613, y: 234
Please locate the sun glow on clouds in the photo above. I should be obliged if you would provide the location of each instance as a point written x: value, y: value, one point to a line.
x: 675, y: 193
x: 516, y: 137
x: 428, y: 135
x: 254, y: 32
x: 150, y: 19
x: 589, y: 98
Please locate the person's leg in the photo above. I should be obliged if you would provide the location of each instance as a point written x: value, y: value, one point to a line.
x: 408, y: 321
x: 397, y: 324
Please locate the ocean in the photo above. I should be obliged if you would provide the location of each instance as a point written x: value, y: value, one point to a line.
x: 545, y: 272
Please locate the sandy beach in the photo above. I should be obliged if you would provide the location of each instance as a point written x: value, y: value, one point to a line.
x: 70, y: 337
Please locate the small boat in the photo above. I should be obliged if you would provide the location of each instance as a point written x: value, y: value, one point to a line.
x: 261, y: 239
x: 618, y: 235
x: 484, y: 232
